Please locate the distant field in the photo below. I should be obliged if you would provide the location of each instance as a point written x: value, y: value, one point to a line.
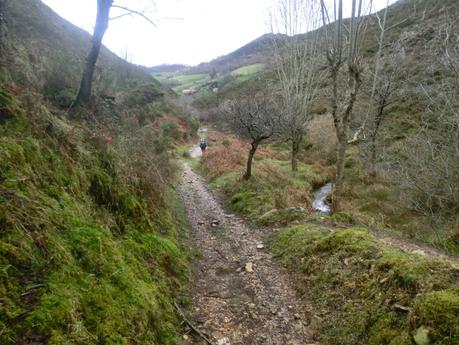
x: 192, y: 78
x: 180, y: 82
x: 249, y: 70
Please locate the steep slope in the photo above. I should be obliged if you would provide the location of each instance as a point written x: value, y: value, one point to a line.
x: 92, y: 237
x: 48, y: 53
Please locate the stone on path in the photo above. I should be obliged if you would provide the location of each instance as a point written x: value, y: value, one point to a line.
x: 249, y: 267
x: 223, y: 341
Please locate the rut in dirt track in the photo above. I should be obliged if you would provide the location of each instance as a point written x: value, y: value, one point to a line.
x: 230, y: 302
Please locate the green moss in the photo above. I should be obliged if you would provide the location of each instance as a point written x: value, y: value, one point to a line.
x: 85, y: 256
x: 341, y: 217
x: 438, y: 311
x: 251, y: 198
x: 381, y: 295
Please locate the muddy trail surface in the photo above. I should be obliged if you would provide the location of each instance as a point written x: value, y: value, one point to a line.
x: 240, y: 294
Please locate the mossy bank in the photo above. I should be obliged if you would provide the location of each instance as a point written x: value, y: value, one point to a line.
x: 91, y: 250
x: 361, y: 291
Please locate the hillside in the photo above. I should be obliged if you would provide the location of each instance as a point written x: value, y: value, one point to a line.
x: 407, y: 198
x: 49, y: 53
x: 92, y: 236
x: 256, y: 51
x: 224, y: 71
x: 116, y: 228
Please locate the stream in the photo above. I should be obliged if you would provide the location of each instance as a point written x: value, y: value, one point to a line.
x: 320, y: 202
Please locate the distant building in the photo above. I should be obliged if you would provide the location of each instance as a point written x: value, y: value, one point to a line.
x: 188, y: 92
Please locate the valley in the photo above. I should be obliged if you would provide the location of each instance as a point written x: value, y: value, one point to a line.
x: 324, y: 208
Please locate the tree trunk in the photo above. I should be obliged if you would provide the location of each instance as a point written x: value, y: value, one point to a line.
x: 373, y: 157
x: 341, y: 160
x: 342, y: 123
x: 103, y: 11
x: 295, y: 149
x: 2, y: 25
x: 248, y: 171
x: 373, y: 138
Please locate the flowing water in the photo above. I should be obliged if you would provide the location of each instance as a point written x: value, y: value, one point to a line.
x: 320, y: 202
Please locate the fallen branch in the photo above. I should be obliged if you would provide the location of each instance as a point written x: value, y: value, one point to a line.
x: 188, y: 322
x: 30, y: 289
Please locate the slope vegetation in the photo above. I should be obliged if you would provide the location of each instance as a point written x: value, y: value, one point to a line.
x: 92, y: 241
x: 415, y: 191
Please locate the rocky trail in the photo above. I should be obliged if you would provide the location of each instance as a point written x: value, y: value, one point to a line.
x: 240, y: 294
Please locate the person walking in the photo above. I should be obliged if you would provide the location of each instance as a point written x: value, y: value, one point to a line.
x: 203, y: 145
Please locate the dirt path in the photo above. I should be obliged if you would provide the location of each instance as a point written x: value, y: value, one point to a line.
x: 416, y: 248
x: 240, y: 294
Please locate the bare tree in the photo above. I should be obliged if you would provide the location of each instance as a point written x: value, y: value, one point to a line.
x: 102, y: 20
x: 298, y: 73
x: 2, y: 24
x: 340, y: 40
x: 385, y: 80
x: 379, y: 62
x: 383, y: 94
x: 254, y: 117
x: 428, y: 174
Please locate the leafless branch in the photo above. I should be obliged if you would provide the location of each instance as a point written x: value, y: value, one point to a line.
x: 130, y: 11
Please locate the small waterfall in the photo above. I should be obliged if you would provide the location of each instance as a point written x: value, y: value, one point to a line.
x: 320, y: 202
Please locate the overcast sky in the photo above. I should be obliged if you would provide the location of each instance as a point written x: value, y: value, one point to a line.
x: 187, y: 31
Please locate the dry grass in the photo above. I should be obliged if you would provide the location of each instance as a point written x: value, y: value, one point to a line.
x: 220, y: 159
x: 228, y: 153
x: 322, y: 137
x: 272, y: 185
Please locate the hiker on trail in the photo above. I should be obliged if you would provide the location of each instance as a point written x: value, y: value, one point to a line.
x: 203, y: 145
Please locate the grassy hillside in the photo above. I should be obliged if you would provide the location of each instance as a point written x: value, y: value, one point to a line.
x: 255, y: 52
x: 201, y: 83
x: 89, y: 252
x: 227, y: 70
x: 248, y: 70
x: 92, y: 242
x: 48, y: 53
